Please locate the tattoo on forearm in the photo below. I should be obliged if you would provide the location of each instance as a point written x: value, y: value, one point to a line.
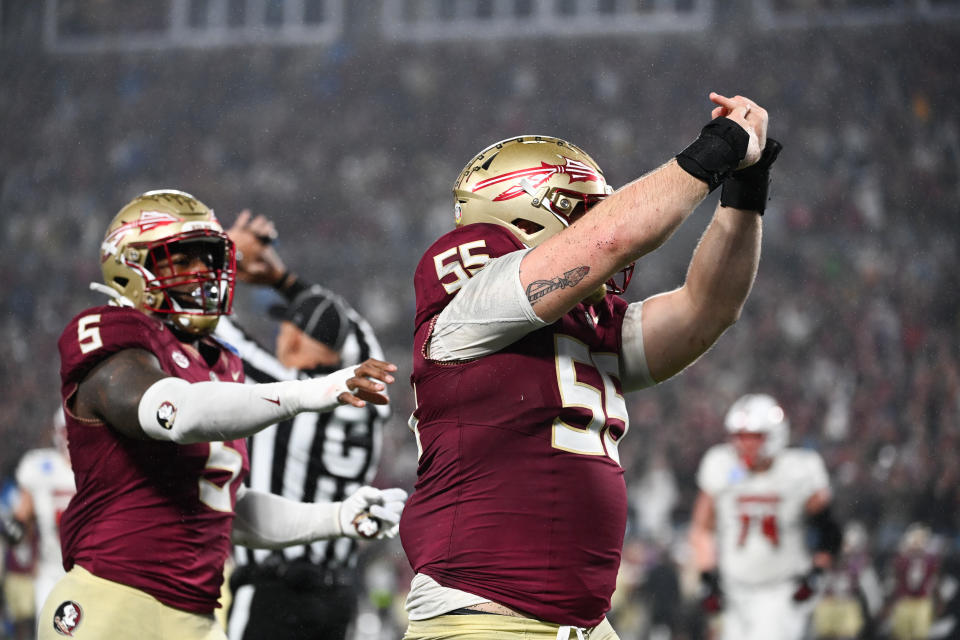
x: 539, y: 288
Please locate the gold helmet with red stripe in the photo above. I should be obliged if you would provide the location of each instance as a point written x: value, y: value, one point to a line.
x: 160, y: 228
x: 535, y: 186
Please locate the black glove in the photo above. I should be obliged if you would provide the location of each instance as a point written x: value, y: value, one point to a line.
x: 748, y: 187
x: 711, y: 596
x: 808, y: 585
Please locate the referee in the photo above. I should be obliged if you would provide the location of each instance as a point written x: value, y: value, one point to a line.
x: 308, y: 591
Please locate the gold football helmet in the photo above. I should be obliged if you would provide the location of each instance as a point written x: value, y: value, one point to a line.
x: 535, y: 186
x: 149, y: 257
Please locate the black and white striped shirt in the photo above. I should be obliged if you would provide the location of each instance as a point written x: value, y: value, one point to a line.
x: 312, y: 457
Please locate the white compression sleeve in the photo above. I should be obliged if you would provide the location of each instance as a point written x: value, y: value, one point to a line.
x: 490, y: 312
x: 268, y: 521
x: 184, y: 412
x: 634, y: 372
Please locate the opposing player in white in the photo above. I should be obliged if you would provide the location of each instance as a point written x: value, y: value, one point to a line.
x: 758, y: 499
x: 46, y: 485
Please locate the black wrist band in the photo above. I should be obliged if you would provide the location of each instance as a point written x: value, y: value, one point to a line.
x: 748, y: 188
x: 749, y: 193
x: 717, y: 152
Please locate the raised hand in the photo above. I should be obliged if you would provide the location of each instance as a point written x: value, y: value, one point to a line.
x: 750, y: 116
x: 257, y: 259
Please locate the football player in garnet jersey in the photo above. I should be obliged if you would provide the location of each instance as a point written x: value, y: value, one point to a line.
x: 913, y: 578
x: 852, y: 593
x: 522, y: 354
x: 156, y: 422
x: 750, y: 522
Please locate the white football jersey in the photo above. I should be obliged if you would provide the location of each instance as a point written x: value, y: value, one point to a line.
x: 761, y: 533
x: 46, y: 474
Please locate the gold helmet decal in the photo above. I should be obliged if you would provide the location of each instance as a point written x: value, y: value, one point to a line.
x: 530, y: 179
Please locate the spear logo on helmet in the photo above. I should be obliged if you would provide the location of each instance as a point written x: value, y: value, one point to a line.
x: 533, y: 177
x: 147, y: 221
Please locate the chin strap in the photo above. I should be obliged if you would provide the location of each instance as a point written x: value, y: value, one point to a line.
x: 116, y: 298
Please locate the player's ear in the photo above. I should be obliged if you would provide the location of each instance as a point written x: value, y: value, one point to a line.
x: 285, y: 343
x: 295, y: 338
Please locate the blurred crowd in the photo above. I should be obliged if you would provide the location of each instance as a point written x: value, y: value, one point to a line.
x: 352, y: 150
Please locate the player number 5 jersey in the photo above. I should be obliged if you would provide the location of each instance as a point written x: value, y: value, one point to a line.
x: 150, y: 514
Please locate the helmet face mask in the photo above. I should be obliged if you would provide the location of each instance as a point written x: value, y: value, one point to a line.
x: 189, y: 274
x: 568, y: 205
x: 535, y: 186
x: 166, y: 254
x: 757, y: 414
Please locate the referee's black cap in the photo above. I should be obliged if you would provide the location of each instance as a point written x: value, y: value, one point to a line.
x: 319, y: 313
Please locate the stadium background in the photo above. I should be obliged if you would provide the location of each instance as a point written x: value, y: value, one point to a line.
x: 348, y: 121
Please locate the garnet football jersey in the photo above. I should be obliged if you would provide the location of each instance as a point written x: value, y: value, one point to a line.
x: 760, y: 515
x: 150, y: 514
x: 915, y: 574
x: 520, y: 497
x: 843, y: 579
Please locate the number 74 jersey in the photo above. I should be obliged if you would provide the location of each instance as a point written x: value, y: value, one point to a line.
x: 760, y: 516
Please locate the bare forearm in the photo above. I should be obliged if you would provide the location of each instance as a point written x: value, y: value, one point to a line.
x: 724, y: 265
x: 703, y: 549
x: 681, y: 325
x: 703, y: 533
x: 646, y: 212
x: 632, y: 222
